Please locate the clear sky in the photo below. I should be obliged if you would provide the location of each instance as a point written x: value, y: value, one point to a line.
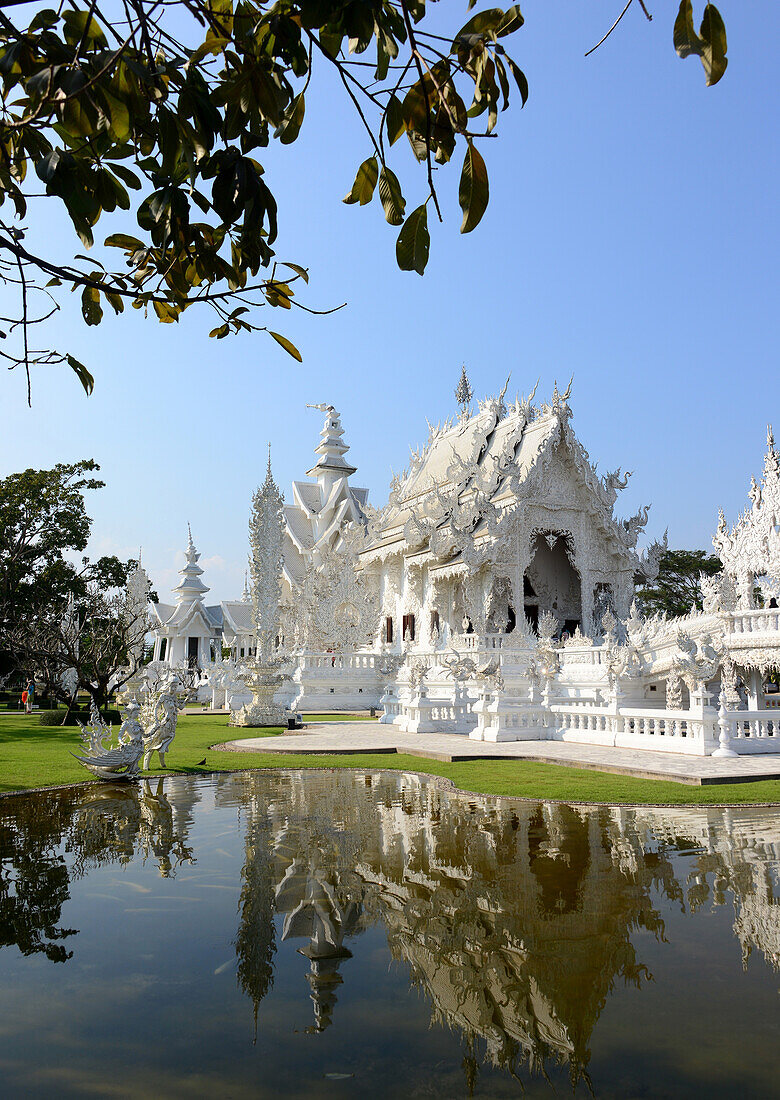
x: 631, y: 239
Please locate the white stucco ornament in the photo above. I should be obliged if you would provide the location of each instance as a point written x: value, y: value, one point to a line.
x: 115, y: 763
x: 159, y: 717
x: 266, y: 671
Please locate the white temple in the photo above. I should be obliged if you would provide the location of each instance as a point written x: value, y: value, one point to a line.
x: 493, y: 596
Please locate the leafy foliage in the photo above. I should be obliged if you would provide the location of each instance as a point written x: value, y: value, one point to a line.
x: 709, y: 44
x: 157, y: 112
x: 677, y: 588
x: 56, y: 615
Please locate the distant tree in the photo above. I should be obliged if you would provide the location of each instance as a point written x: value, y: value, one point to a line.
x: 677, y: 589
x: 57, y: 614
x: 158, y: 109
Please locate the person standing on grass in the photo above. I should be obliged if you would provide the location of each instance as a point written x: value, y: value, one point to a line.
x: 29, y: 692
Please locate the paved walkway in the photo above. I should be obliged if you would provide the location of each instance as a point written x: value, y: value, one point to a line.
x: 363, y: 737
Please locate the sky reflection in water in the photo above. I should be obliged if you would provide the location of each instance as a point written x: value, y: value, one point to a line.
x: 340, y: 934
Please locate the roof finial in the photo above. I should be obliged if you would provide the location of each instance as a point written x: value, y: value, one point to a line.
x: 269, y: 459
x: 464, y: 393
x: 189, y: 534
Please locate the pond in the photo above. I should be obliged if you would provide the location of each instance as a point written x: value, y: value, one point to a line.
x: 342, y: 934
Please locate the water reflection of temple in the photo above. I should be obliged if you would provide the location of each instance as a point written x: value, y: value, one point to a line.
x: 48, y: 839
x: 515, y: 920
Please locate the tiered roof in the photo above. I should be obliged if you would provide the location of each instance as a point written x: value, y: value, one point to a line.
x: 189, y: 593
x: 322, y: 507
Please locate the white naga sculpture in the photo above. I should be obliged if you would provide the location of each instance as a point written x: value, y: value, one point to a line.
x: 113, y: 762
x: 159, y: 716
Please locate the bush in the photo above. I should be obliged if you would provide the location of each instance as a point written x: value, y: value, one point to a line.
x: 54, y: 717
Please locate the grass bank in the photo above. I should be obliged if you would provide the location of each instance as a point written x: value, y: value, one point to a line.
x: 39, y: 756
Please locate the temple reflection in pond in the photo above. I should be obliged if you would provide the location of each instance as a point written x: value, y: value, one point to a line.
x: 516, y: 921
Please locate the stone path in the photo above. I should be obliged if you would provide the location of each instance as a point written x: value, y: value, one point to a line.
x: 362, y: 737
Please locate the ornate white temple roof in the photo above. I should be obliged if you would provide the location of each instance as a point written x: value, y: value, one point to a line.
x: 492, y: 459
x: 321, y: 508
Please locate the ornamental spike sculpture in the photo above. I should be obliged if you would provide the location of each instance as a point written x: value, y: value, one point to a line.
x: 266, y: 540
x: 464, y: 394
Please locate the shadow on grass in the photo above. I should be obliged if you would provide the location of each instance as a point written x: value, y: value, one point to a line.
x: 37, y: 734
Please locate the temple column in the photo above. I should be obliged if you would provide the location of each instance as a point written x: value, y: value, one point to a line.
x: 586, y: 602
x: 755, y: 690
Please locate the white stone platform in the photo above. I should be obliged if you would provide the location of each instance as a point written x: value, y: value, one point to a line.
x: 341, y: 738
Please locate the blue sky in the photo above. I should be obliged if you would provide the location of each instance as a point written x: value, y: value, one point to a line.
x: 631, y: 240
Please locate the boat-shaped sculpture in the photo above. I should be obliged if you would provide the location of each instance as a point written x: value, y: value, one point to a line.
x: 116, y: 763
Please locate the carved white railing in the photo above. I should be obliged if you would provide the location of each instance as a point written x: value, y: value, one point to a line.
x: 669, y: 730
x: 481, y: 642
x: 758, y: 621
x: 338, y: 661
x: 756, y: 725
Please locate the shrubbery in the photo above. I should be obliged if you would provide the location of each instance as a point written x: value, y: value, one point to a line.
x: 54, y: 717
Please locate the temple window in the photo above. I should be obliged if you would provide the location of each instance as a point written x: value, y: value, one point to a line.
x: 163, y: 648
x: 389, y: 628
x: 407, y: 628
x: 434, y: 621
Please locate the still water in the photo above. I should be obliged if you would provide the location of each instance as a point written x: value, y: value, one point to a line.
x: 348, y: 935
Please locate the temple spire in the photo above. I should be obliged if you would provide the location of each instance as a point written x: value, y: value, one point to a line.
x: 190, y: 588
x: 331, y: 448
x: 266, y: 534
x: 464, y: 394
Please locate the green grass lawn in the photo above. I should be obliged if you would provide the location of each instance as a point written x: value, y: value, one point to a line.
x: 39, y: 756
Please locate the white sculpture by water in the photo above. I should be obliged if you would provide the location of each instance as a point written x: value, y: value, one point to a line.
x: 159, y: 716
x: 112, y: 762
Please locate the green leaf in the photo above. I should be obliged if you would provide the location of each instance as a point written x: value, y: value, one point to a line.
x: 394, y: 119
x: 392, y: 197
x: 330, y: 40
x: 511, y: 22
x: 520, y: 79
x: 126, y: 176
x: 91, y: 309
x: 414, y: 242
x: 83, y: 375
x: 292, y: 121
x: 416, y: 106
x: 473, y: 193
x: 80, y: 24
x: 119, y: 114
x: 288, y: 346
x: 302, y: 271
x: 121, y: 240
x: 709, y: 44
x: 484, y: 22
x: 365, y: 182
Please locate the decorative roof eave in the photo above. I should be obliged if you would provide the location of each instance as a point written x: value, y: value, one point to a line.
x: 195, y: 611
x: 602, y: 514
x: 450, y: 569
x: 297, y: 540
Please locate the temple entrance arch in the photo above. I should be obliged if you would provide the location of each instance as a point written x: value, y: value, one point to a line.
x: 551, y: 582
